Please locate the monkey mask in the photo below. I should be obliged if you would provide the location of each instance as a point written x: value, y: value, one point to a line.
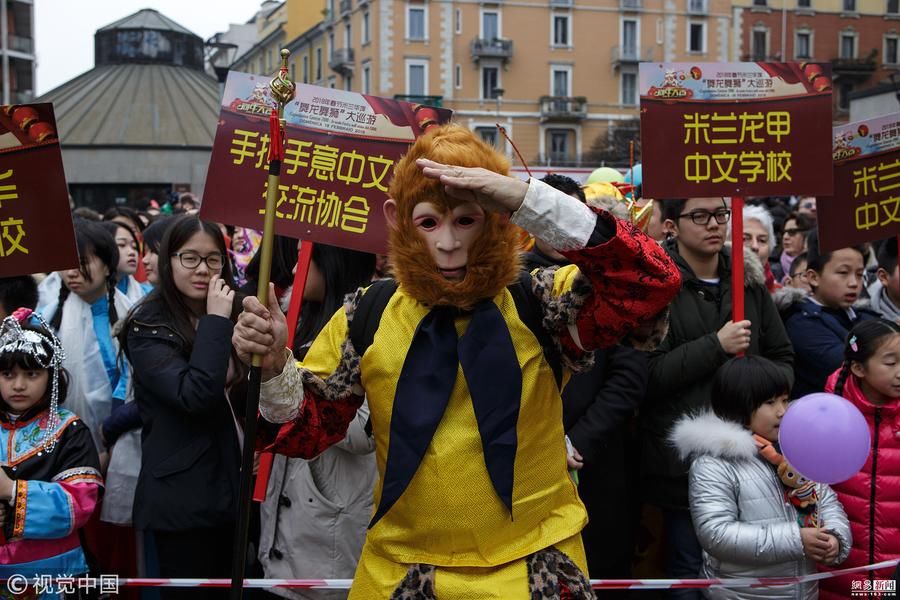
x: 492, y: 258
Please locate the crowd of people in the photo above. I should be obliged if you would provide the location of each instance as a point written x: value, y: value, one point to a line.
x: 592, y: 372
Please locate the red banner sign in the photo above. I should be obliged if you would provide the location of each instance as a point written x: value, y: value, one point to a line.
x: 339, y: 155
x: 866, y: 202
x: 729, y: 129
x: 36, y: 233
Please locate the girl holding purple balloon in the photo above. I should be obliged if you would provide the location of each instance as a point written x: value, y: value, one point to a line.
x: 870, y: 380
x: 753, y: 515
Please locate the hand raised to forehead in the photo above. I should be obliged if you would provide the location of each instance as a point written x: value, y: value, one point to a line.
x: 492, y: 191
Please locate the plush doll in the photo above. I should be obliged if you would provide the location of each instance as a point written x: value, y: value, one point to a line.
x: 801, y: 492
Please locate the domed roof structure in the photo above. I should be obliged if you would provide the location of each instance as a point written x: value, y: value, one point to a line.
x: 145, y: 114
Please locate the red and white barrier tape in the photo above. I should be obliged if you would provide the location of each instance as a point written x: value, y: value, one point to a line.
x: 597, y: 584
x: 344, y: 584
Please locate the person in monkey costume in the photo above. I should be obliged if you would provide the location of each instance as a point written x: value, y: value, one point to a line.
x: 473, y: 498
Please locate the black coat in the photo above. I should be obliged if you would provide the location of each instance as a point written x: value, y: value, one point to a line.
x: 598, y: 403
x: 820, y: 335
x: 682, y: 367
x: 190, y: 468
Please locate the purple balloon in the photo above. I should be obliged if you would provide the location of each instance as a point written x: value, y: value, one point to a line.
x: 825, y: 438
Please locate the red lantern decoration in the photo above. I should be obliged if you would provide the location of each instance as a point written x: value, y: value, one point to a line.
x: 41, y: 131
x: 24, y: 116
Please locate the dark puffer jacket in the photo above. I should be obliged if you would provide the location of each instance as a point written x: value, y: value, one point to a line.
x: 818, y: 335
x: 682, y: 367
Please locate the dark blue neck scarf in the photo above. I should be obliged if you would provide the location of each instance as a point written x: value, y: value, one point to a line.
x: 491, y: 368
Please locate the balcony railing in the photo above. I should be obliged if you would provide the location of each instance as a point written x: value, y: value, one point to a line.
x: 341, y: 60
x: 23, y: 97
x: 760, y: 57
x: 562, y: 159
x: 697, y: 7
x: 559, y: 3
x: 630, y: 54
x: 21, y: 44
x: 436, y: 101
x: 860, y: 67
x: 563, y: 108
x: 346, y: 6
x: 491, y: 48
x: 630, y: 4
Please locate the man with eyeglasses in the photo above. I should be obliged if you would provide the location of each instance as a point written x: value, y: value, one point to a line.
x: 701, y: 338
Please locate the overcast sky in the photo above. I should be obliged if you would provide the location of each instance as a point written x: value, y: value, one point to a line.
x: 64, y: 29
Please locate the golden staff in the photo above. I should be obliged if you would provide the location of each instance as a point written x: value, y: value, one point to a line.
x: 282, y: 92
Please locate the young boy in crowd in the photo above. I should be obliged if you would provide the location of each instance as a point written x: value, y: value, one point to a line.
x: 818, y: 323
x: 885, y: 290
x: 797, y: 276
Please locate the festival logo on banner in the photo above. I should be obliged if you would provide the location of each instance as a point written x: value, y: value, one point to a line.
x: 733, y: 129
x: 36, y: 233
x: 866, y: 202
x: 339, y: 155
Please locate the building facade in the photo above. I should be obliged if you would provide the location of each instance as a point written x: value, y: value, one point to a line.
x: 264, y: 57
x: 860, y: 38
x: 140, y: 124
x: 17, y: 51
x: 559, y: 75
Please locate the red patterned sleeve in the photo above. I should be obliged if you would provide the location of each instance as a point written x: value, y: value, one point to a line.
x: 320, y: 424
x: 326, y: 391
x: 632, y: 281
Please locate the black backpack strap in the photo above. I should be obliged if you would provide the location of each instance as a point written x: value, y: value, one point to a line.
x: 532, y: 314
x: 366, y: 319
x: 367, y: 315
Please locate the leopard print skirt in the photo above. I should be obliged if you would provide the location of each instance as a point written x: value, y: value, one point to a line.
x: 551, y: 576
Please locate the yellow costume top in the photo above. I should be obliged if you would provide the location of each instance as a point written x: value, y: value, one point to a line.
x: 450, y: 515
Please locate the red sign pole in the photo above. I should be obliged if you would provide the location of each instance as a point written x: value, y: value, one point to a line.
x: 737, y: 259
x: 303, y: 260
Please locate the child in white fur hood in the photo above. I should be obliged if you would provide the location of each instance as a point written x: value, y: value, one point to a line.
x: 752, y: 518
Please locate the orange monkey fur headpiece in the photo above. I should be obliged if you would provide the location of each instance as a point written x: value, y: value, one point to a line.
x: 494, y: 259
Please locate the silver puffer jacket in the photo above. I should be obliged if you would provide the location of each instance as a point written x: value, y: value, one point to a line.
x: 744, y: 524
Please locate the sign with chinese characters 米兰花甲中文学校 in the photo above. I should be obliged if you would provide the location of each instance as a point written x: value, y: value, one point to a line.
x: 735, y: 129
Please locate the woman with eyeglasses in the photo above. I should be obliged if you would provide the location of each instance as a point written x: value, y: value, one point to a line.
x: 178, y: 341
x: 793, y: 244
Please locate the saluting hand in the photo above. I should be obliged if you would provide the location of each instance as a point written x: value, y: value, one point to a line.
x: 493, y: 191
